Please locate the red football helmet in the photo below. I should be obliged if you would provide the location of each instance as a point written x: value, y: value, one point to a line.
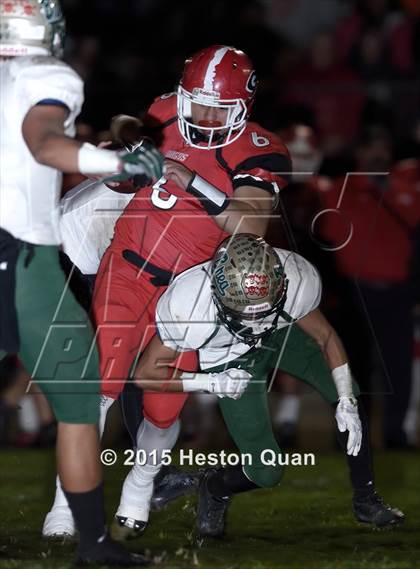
x: 218, y: 76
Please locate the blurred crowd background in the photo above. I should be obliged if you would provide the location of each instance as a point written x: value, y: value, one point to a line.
x: 339, y: 81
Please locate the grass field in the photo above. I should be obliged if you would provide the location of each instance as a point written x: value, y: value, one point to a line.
x: 304, y: 524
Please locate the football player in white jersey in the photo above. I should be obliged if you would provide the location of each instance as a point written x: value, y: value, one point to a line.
x: 39, y: 317
x: 249, y: 311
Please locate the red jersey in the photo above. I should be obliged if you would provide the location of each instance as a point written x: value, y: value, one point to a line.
x: 168, y: 226
x: 384, y: 220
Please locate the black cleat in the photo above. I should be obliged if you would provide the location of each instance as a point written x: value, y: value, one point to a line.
x: 108, y: 552
x: 371, y: 509
x: 124, y: 528
x: 211, y: 514
x: 171, y: 484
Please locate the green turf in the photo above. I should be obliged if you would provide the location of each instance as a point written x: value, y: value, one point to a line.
x: 304, y: 524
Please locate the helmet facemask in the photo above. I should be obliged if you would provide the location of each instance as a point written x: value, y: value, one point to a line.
x: 209, y: 137
x: 251, y: 328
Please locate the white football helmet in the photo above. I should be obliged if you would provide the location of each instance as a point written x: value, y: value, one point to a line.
x: 31, y: 27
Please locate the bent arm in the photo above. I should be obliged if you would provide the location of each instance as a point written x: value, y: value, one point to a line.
x: 44, y: 133
x: 154, y: 372
x: 248, y: 212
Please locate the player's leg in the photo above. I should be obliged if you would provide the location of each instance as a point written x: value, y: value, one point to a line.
x: 303, y: 359
x: 117, y: 343
x: 249, y: 424
x: 59, y: 520
x: 58, y: 348
x: 156, y: 437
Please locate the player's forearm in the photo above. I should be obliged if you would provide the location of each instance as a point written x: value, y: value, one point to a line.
x: 57, y: 151
x: 70, y: 156
x: 241, y: 217
x: 316, y: 325
x: 170, y: 380
x: 44, y: 133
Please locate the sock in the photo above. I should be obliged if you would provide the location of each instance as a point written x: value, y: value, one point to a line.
x: 60, y: 498
x: 138, y: 486
x: 104, y: 406
x: 361, y: 468
x: 228, y: 481
x: 287, y: 410
x: 89, y: 515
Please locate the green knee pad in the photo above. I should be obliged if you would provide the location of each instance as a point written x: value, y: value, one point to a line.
x: 57, y: 340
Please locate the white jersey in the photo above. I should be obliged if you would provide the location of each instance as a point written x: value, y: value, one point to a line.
x: 186, y: 315
x: 88, y: 216
x: 29, y: 191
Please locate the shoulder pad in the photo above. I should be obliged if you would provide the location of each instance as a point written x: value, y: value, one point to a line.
x: 253, y: 143
x: 162, y: 110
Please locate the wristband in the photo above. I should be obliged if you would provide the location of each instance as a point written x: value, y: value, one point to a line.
x: 213, y: 200
x: 92, y: 160
x: 343, y: 381
x: 195, y: 381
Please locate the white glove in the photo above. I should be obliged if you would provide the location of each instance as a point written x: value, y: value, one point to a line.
x: 229, y: 383
x: 347, y: 417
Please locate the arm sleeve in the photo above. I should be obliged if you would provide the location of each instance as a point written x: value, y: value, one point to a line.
x: 55, y: 81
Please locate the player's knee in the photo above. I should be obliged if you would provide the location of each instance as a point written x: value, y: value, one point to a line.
x: 266, y: 476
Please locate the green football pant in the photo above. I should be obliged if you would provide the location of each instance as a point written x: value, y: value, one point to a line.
x: 248, y: 419
x: 57, y: 344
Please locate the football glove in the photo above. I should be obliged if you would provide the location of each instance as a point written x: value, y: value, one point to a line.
x: 144, y: 160
x: 229, y: 383
x: 347, y: 417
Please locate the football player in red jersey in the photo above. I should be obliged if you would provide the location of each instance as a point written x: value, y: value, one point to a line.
x: 223, y: 175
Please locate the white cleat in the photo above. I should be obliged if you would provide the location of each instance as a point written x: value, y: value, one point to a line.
x: 129, y: 522
x: 59, y: 523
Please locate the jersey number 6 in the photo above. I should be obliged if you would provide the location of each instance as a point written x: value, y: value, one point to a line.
x: 159, y: 191
x: 258, y: 140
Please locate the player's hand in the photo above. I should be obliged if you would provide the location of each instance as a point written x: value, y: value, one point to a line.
x: 178, y: 173
x: 229, y: 383
x: 145, y: 160
x: 347, y: 417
